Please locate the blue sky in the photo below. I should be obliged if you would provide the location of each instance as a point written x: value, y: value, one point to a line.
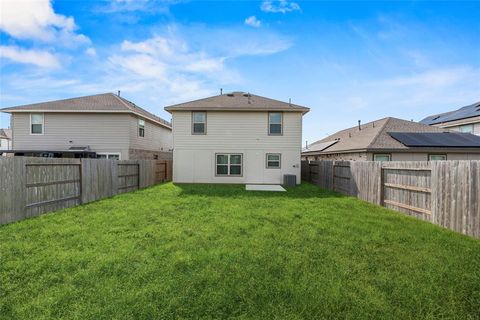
x: 347, y: 61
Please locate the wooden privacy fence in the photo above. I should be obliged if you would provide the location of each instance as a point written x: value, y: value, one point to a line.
x: 32, y: 186
x: 446, y: 193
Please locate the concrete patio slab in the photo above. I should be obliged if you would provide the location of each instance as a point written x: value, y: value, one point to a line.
x: 264, y: 187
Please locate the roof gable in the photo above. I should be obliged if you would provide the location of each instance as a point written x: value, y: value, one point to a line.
x: 105, y: 102
x: 237, y: 101
x: 371, y: 136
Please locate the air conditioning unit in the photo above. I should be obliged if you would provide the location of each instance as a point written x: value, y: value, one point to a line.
x: 289, y: 180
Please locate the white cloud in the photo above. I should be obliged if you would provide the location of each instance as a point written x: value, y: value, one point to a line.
x: 36, y: 20
x: 91, y: 52
x: 39, y: 58
x: 253, y: 22
x: 280, y: 6
x: 148, y: 6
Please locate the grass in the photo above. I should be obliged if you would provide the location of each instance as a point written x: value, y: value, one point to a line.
x: 209, y: 251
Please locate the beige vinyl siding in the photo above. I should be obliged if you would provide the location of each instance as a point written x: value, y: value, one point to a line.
x: 157, y: 138
x: 244, y: 130
x: 235, y: 132
x: 455, y: 125
x: 102, y: 132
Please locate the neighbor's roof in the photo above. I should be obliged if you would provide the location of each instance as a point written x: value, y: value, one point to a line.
x: 105, y: 103
x: 373, y: 136
x: 237, y: 101
x: 470, y: 111
x: 6, y: 133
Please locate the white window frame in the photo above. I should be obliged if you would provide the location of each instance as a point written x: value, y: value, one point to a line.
x: 43, y: 124
x: 141, y: 126
x: 204, y: 123
x: 281, y: 124
x: 107, y: 154
x: 382, y: 155
x: 437, y: 155
x: 229, y: 164
x: 279, y: 160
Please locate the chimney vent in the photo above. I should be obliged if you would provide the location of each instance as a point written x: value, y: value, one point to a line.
x: 118, y: 93
x: 359, y: 125
x: 221, y: 91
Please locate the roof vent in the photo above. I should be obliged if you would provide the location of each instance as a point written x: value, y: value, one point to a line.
x: 437, y: 117
x: 246, y: 95
x: 230, y: 94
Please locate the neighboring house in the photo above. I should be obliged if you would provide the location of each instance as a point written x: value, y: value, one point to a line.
x: 392, y: 139
x: 102, y: 126
x: 5, y: 140
x: 236, y: 138
x: 466, y: 119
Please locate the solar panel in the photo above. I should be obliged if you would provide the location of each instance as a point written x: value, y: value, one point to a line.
x: 437, y: 139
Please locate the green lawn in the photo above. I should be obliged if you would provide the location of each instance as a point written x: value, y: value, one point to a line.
x: 210, y: 251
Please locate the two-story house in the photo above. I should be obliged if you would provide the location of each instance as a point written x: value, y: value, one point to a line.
x: 101, y: 126
x: 465, y: 119
x: 236, y: 138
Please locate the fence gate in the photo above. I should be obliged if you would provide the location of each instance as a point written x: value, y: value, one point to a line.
x: 128, y: 177
x: 160, y: 171
x: 407, y: 190
x: 52, y: 186
x: 341, y: 177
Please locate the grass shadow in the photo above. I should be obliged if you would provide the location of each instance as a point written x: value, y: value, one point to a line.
x: 302, y: 191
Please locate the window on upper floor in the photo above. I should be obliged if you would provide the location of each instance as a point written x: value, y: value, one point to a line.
x: 141, y: 128
x: 199, y: 122
x: 36, y: 123
x: 275, y: 123
x: 468, y: 128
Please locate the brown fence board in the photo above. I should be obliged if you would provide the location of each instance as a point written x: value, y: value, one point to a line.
x: 32, y: 186
x: 446, y: 193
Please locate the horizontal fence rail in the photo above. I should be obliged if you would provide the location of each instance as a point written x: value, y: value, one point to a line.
x: 446, y: 193
x: 32, y: 186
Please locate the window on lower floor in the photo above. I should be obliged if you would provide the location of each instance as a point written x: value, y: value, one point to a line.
x: 110, y: 156
x: 437, y: 157
x: 228, y: 164
x: 382, y: 157
x: 273, y: 160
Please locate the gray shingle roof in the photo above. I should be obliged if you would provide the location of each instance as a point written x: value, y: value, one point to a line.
x: 237, y: 101
x: 105, y: 102
x: 372, y: 136
x: 470, y: 111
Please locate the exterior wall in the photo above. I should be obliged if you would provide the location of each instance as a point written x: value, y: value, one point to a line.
x: 139, y: 154
x: 157, y: 138
x: 235, y: 132
x: 102, y: 132
x: 395, y: 156
x: 5, y: 144
x: 353, y: 156
x: 455, y: 125
x: 424, y: 156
